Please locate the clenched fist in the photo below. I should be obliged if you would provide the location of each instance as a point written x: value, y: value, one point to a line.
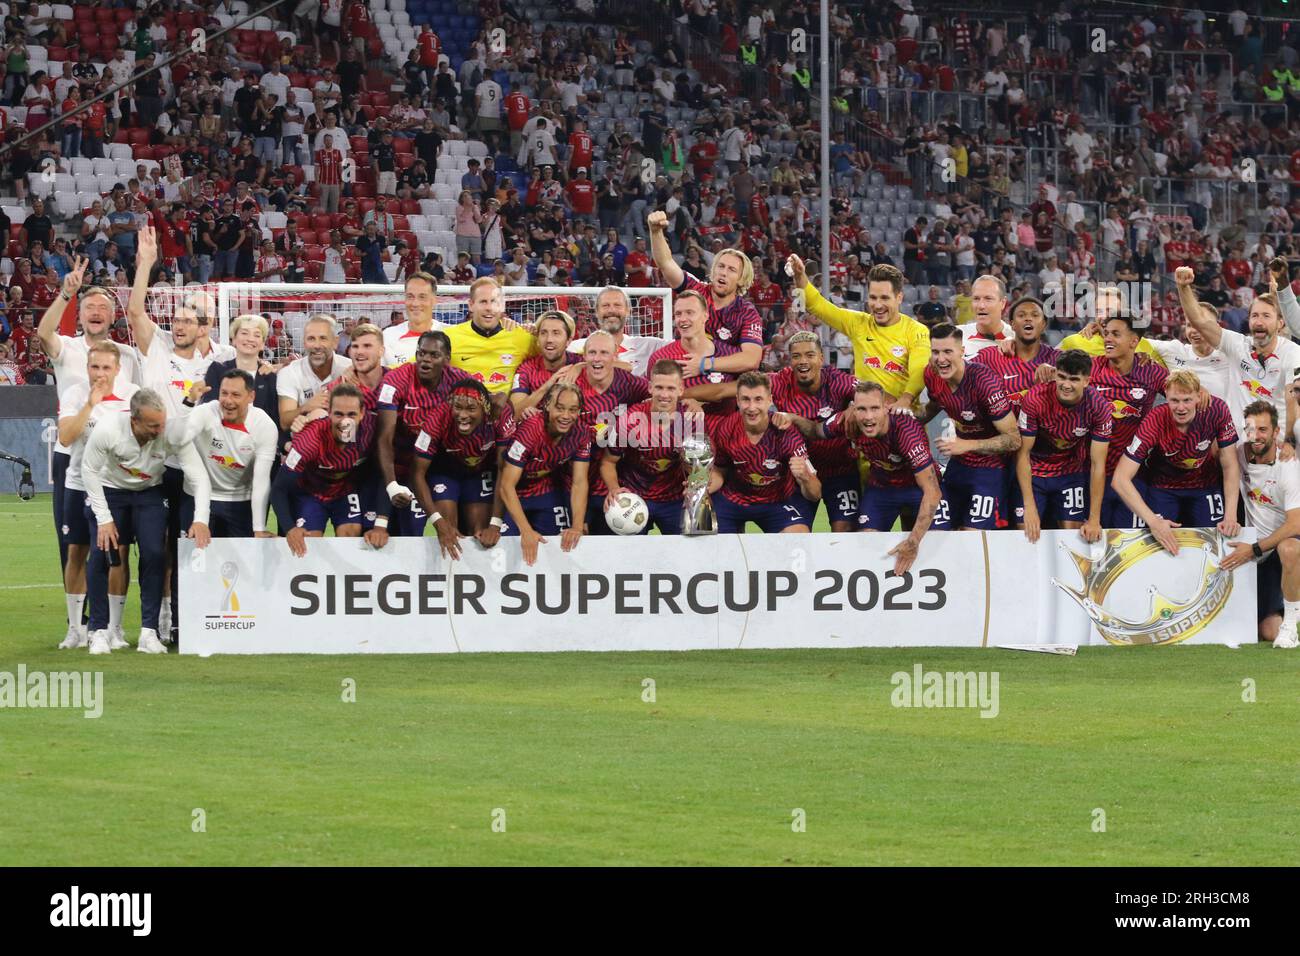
x: 658, y: 221
x: 1184, y: 275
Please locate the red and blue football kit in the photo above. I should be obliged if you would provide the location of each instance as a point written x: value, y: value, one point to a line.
x: 1062, y: 437
x: 325, y: 481
x: 896, y: 458
x: 648, y: 455
x: 759, y: 486
x: 1132, y: 397
x: 972, y: 483
x: 835, y: 462
x: 463, y: 467
x: 1183, y: 478
x: 543, y: 487
x: 732, y: 325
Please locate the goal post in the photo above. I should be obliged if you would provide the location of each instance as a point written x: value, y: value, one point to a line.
x: 286, y: 306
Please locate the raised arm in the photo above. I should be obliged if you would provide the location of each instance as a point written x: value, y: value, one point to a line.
x: 48, y: 330
x: 142, y: 327
x: 659, y: 250
x: 1279, y: 282
x: 1200, y: 317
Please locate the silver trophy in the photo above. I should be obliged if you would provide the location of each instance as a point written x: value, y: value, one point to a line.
x: 697, y: 509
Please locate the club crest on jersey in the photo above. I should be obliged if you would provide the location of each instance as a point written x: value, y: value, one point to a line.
x: 724, y: 333
x: 1081, y: 432
x: 897, y: 351
x: 968, y: 415
x: 714, y: 377
x: 1139, y: 394
x: 770, y: 464
x: 825, y: 412
x: 507, y: 359
x: 1202, y: 445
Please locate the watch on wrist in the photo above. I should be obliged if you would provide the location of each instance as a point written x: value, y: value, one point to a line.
x: 1257, y: 550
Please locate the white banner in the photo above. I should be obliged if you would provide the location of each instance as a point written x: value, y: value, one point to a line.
x: 967, y: 589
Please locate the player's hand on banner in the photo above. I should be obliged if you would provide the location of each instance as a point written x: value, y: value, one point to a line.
x: 400, y: 495
x: 376, y: 538
x: 904, y: 553
x: 1090, y: 531
x: 528, y: 542
x: 693, y: 410
x: 106, y: 537
x: 1045, y: 373
x: 448, y: 539
x: 296, y: 538
x: 1229, y: 527
x: 1163, y: 531
x: 569, y: 538
x: 263, y: 534
x: 897, y: 409
x: 1033, y: 524
x: 488, y: 537
x: 1240, y: 554
x: 197, y: 391
x: 200, y: 533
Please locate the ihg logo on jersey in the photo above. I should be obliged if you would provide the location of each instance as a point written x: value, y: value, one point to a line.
x: 225, y: 581
x: 1131, y: 606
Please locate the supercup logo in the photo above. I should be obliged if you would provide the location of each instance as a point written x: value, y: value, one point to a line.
x: 1139, y: 611
x: 229, y: 575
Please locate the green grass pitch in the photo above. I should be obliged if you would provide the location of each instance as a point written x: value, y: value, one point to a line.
x: 586, y: 772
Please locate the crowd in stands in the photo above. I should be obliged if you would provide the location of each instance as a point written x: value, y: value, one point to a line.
x: 351, y: 141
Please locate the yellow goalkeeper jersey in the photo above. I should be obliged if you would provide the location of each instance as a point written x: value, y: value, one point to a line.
x: 492, y: 359
x: 895, y: 356
x: 1094, y: 345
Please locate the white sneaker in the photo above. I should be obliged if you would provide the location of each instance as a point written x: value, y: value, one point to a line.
x: 116, y: 639
x: 99, y: 643
x: 1286, y: 635
x: 76, y: 637
x: 149, y: 643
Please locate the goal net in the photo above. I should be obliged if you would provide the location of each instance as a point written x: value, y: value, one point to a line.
x: 286, y: 307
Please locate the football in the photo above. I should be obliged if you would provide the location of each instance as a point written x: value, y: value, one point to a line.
x: 628, y: 515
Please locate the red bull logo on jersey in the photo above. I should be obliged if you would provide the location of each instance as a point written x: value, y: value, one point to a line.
x: 661, y: 464
x: 225, y: 461
x: 760, y: 480
x: 497, y: 378
x: 1122, y: 409
x: 1258, y: 496
x: 182, y: 385
x: 1256, y: 388
x: 872, y: 361
x: 895, y: 367
x: 1189, y: 464
x: 135, y: 472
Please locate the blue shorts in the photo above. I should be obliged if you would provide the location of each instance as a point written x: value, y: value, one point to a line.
x: 548, y: 514
x: 76, y: 523
x: 881, y: 507
x: 226, y: 519
x: 1060, y: 498
x: 1189, y: 507
x: 1268, y: 585
x: 771, y: 518
x: 841, y: 496
x: 1116, y: 514
x: 315, y: 515
x: 972, y: 498
x: 664, y: 515
x: 464, y: 489
x: 595, y: 519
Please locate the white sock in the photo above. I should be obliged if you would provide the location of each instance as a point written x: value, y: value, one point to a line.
x: 116, y: 607
x: 75, y: 603
x: 1292, y: 609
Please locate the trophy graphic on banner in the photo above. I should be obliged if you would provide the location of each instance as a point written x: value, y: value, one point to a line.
x: 697, y: 515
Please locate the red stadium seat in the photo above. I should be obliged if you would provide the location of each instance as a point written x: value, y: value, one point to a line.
x: 402, y: 144
x: 409, y: 238
x: 314, y: 271
x: 353, y: 271
x: 15, y: 229
x: 381, y: 100
x: 306, y: 235
x: 142, y: 152
x: 364, y: 205
x: 123, y: 15
x: 410, y: 207
x: 358, y: 144
x: 92, y: 44
x: 301, y: 218
x: 104, y: 15
x: 121, y: 136
x: 315, y: 252
x: 15, y: 250
x: 404, y: 160
x: 57, y: 54
x: 322, y: 221
x: 362, y: 191
x: 399, y: 221
x: 138, y: 137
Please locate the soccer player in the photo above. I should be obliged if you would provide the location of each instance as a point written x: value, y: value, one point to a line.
x: 1261, y: 364
x: 69, y: 354
x: 1130, y: 382
x: 301, y: 385
x: 321, y: 481
x: 1107, y: 301
x: 1193, y: 476
x: 171, y: 365
x: 888, y: 347
x: 809, y: 389
x: 645, y: 457
x: 1061, y: 465
x: 81, y: 408
x: 485, y: 347
x: 402, y: 340
x: 454, y: 470
x: 1272, y: 495
x: 1195, y: 354
x: 534, y: 472
x: 988, y: 296
x: 759, y: 470
x: 733, y: 319
x: 902, y: 481
x: 122, y: 469
x: 1026, y: 359
x: 697, y: 355
x: 605, y: 389
x: 366, y: 350
x: 984, y: 430
x: 613, y: 308
x: 552, y: 363
x: 238, y: 444
x: 407, y: 395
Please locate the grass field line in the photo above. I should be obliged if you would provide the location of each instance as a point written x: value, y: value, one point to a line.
x: 27, y: 587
